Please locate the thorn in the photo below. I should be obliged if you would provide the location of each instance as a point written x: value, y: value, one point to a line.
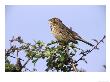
x: 96, y: 47
x: 95, y: 40
x: 102, y: 41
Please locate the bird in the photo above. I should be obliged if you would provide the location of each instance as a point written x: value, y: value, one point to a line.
x: 64, y: 34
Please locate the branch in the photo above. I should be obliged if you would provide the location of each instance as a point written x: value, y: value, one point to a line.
x: 88, y: 51
x: 74, y: 67
x: 72, y: 63
x: 26, y: 62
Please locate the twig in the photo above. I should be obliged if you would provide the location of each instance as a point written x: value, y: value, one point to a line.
x: 72, y: 63
x: 88, y: 51
x: 27, y: 69
x: 15, y: 57
x: 26, y: 62
x: 74, y: 67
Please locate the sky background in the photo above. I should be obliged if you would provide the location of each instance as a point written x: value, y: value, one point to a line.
x: 31, y: 23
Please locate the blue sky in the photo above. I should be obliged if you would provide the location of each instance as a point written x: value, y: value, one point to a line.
x: 31, y: 22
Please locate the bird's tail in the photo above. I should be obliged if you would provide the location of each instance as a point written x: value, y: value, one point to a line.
x: 86, y: 42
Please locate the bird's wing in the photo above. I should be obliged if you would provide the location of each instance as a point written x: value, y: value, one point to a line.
x: 73, y: 33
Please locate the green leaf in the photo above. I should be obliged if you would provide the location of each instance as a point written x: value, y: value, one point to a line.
x: 10, y: 68
x: 39, y: 43
x: 62, y: 58
x: 34, y: 61
x: 47, y: 53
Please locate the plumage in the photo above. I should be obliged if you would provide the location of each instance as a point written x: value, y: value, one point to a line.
x: 63, y: 33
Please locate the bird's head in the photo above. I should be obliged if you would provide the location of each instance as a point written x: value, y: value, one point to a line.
x: 54, y: 21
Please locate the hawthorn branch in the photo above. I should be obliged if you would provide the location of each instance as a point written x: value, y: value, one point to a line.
x: 88, y: 51
x: 26, y: 63
x: 72, y: 63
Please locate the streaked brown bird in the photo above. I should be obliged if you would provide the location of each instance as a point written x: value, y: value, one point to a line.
x: 64, y: 34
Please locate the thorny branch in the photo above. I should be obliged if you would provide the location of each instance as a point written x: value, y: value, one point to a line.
x: 17, y: 49
x: 84, y: 53
x: 71, y: 60
x: 26, y: 47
